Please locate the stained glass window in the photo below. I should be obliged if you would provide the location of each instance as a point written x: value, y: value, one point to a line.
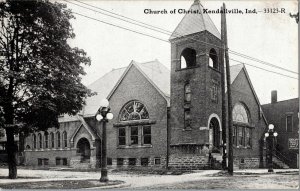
x: 239, y: 114
x: 134, y: 110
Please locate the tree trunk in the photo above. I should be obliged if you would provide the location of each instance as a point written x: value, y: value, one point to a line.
x: 11, y: 149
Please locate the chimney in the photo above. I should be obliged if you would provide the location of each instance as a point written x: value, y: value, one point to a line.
x: 274, y: 96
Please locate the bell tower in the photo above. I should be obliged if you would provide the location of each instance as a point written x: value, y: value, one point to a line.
x: 195, y: 112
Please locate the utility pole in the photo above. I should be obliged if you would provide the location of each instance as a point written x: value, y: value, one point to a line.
x: 224, y: 163
x: 229, y: 101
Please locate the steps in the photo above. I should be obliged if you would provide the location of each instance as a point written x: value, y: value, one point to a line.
x: 216, y: 161
x: 279, y: 163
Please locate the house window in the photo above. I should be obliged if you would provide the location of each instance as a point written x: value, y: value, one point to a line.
x: 122, y: 136
x: 40, y: 141
x: 120, y: 161
x: 187, y: 119
x: 188, y: 58
x: 134, y: 135
x: 214, y: 92
x: 144, y: 161
x: 187, y: 92
x: 157, y: 161
x: 34, y: 141
x: 132, y: 161
x: 289, y: 123
x: 52, y: 139
x: 46, y: 139
x: 58, y: 139
x: 147, y: 135
x: 65, y: 139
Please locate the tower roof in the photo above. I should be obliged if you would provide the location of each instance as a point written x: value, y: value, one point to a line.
x: 195, y: 21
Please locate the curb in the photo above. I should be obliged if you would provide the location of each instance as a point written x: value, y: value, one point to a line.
x: 110, y: 186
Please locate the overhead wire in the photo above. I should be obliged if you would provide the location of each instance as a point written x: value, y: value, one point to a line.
x: 148, y: 26
x: 157, y: 38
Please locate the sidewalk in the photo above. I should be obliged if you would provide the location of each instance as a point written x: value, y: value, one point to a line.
x: 131, y: 180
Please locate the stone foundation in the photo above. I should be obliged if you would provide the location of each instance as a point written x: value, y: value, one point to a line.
x: 189, y: 162
x: 244, y: 163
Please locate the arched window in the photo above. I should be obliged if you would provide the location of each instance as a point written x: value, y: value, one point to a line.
x: 134, y: 110
x: 137, y: 135
x: 242, y: 132
x: 52, y: 139
x: 240, y: 114
x: 65, y: 140
x: 34, y: 141
x: 188, y: 58
x: 213, y: 59
x: 58, y: 139
x: 187, y: 92
x: 40, y: 141
x: 46, y: 139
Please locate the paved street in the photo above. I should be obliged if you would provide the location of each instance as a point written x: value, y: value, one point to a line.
x: 207, y: 179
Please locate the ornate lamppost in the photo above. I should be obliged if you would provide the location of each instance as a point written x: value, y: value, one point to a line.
x: 104, y: 115
x: 270, y: 136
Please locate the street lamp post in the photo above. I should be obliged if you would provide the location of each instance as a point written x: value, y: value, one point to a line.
x: 270, y: 136
x: 104, y: 115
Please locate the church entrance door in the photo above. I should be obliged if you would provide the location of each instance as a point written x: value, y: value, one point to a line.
x: 83, y: 149
x: 215, y: 134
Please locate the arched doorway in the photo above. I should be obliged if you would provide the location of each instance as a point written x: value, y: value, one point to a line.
x: 215, y: 133
x: 84, y: 150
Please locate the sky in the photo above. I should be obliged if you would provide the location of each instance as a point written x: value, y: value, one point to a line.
x: 270, y: 37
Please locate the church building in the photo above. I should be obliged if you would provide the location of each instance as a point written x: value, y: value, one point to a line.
x: 162, y: 117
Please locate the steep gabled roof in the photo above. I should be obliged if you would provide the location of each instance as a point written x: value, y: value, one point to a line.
x: 234, y: 72
x: 102, y: 86
x: 87, y: 127
x: 195, y: 22
x: 156, y: 73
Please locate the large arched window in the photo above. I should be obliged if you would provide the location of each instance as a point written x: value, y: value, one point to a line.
x: 137, y: 134
x: 240, y: 114
x: 58, y: 139
x: 188, y: 58
x: 134, y: 110
x: 40, y: 141
x: 242, y: 132
x: 213, y: 59
x: 65, y: 140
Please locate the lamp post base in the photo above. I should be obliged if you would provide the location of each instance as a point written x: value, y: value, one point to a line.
x: 104, y: 177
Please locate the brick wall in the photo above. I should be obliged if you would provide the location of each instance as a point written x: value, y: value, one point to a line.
x: 135, y: 86
x: 242, y: 93
x: 200, y: 79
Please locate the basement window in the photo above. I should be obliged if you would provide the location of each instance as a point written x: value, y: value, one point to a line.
x: 144, y: 161
x: 132, y: 161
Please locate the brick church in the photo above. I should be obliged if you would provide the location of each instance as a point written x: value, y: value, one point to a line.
x: 161, y: 117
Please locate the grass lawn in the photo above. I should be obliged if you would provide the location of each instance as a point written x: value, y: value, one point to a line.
x: 62, y: 184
